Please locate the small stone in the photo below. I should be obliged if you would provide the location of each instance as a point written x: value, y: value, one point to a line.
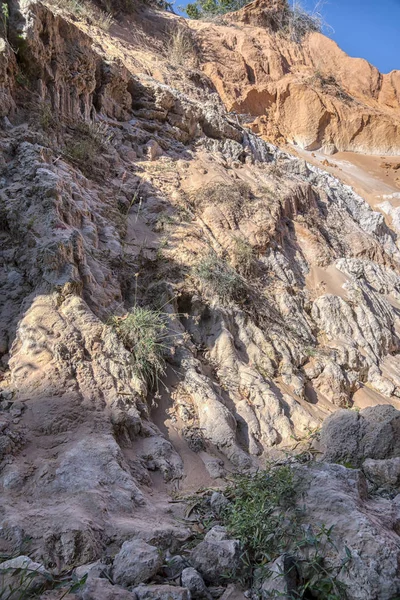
x: 10, y: 575
x: 95, y: 569
x: 218, y: 502
x: 174, y: 566
x: 153, y: 150
x: 101, y: 589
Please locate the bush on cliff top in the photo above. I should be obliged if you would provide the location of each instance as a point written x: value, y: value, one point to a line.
x: 293, y: 20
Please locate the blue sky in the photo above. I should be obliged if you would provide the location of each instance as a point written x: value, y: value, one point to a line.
x: 366, y: 28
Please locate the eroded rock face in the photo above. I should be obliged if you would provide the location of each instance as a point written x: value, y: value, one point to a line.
x: 358, y: 523
x: 307, y: 319
x: 310, y: 94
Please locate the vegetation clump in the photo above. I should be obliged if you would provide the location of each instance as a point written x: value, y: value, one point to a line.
x: 233, y: 195
x: 87, y: 142
x: 243, y: 257
x: 263, y: 514
x: 220, y: 278
x: 86, y: 10
x: 181, y: 48
x: 144, y: 332
x: 294, y: 20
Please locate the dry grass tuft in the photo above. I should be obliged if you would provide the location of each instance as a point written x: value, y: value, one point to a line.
x: 181, y: 48
x: 85, y: 10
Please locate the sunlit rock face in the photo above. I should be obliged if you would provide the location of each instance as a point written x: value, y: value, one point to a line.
x: 126, y: 185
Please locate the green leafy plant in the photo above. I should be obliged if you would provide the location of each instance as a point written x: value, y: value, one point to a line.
x: 210, y: 8
x: 144, y: 332
x: 265, y: 515
x: 27, y: 583
x: 262, y: 515
x: 253, y: 516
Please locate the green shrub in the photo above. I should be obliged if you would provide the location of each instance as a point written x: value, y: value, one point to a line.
x: 220, y: 279
x: 264, y: 517
x: 144, y: 332
x: 252, y: 516
x: 209, y: 8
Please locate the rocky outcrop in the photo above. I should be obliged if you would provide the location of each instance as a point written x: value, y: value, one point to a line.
x: 277, y: 288
x: 310, y: 94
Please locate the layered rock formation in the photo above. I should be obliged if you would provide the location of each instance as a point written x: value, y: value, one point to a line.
x: 125, y: 183
x: 311, y: 95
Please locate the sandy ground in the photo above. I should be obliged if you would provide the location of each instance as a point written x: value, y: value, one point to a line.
x: 373, y: 177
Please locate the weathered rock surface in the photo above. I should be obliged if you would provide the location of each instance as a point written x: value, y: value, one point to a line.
x: 310, y: 94
x: 383, y: 472
x: 161, y: 592
x: 351, y: 437
x: 216, y: 555
x: 294, y: 314
x: 336, y: 496
x: 193, y: 581
x: 136, y: 562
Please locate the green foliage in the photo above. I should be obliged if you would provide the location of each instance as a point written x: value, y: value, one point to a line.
x: 252, y: 516
x: 211, y: 8
x: 27, y: 583
x: 220, y: 278
x: 144, y: 332
x: 293, y: 20
x: 264, y: 515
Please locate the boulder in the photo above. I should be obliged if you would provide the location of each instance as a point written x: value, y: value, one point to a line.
x: 21, y: 573
x: 216, y: 555
x: 218, y: 502
x: 193, y: 581
x: 136, y: 563
x: 174, y: 566
x: 349, y: 437
x: 161, y: 592
x: 101, y: 589
x: 383, y: 472
x: 364, y: 535
x: 94, y: 569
